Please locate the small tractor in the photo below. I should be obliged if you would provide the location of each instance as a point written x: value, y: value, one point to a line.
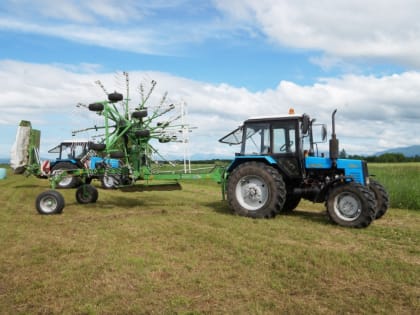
x: 70, y: 153
x: 279, y: 165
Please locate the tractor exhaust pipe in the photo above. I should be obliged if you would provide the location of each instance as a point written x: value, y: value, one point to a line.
x: 333, y: 142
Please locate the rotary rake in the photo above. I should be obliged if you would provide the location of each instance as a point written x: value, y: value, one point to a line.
x: 126, y: 134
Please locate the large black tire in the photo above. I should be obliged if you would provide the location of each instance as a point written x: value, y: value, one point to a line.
x: 97, y: 146
x: 142, y: 133
x: 117, y: 155
x: 115, y: 97
x: 86, y: 194
x: 381, y: 196
x: 290, y: 204
x: 256, y: 190
x: 96, y: 107
x: 68, y: 181
x: 351, y: 205
x: 139, y: 114
x: 49, y: 202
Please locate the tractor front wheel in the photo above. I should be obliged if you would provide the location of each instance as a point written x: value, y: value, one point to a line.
x: 86, y: 194
x: 381, y: 196
x: 256, y: 190
x: 49, y: 202
x: 351, y: 205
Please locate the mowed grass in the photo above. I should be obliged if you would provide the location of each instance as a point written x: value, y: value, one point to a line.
x: 181, y: 251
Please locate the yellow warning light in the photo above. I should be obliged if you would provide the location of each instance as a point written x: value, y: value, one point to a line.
x: 291, y: 111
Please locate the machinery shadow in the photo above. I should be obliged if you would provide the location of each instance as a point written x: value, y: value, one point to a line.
x: 317, y: 217
x: 154, y: 187
x: 27, y: 186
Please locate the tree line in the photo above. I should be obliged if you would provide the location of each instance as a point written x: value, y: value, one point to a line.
x: 383, y: 158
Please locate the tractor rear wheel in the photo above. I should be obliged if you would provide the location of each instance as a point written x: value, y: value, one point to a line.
x: 68, y: 181
x: 381, y: 196
x: 256, y: 190
x: 86, y: 194
x: 49, y: 202
x: 351, y: 205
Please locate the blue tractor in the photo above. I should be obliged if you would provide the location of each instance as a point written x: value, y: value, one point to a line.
x: 78, y: 154
x: 279, y: 165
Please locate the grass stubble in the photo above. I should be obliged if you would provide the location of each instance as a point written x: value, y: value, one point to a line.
x: 182, y: 251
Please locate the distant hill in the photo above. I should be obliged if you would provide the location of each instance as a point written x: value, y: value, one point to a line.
x: 410, y: 151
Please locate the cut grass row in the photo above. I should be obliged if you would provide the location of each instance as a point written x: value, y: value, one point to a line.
x: 181, y: 251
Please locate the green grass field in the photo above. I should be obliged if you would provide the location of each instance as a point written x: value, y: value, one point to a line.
x: 169, y: 251
x: 402, y: 182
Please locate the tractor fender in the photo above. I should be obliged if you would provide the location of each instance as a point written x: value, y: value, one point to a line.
x: 247, y: 158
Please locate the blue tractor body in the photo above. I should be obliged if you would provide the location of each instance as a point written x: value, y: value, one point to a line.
x: 279, y: 164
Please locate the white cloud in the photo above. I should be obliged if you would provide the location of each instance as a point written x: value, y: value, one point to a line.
x: 147, y: 27
x: 340, y: 30
x: 374, y: 113
x: 356, y: 29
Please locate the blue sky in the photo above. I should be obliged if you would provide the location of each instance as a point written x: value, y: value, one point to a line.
x: 227, y: 60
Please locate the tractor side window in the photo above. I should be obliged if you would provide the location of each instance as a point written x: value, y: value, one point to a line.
x: 79, y: 150
x: 257, y: 139
x: 284, y: 139
x: 65, y: 151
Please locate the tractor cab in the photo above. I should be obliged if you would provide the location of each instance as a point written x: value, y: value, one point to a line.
x: 71, y: 150
x: 285, y: 140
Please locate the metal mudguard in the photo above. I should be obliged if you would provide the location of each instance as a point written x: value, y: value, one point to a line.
x: 245, y: 158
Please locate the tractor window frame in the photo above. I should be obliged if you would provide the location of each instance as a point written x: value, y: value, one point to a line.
x: 290, y: 137
x: 256, y: 139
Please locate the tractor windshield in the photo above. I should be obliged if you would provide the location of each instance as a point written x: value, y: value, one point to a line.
x: 234, y: 137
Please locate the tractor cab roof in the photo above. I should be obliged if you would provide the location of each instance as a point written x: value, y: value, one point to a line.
x: 235, y: 137
x: 273, y: 117
x: 74, y: 142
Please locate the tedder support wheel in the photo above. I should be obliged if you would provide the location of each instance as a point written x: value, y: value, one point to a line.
x: 351, y: 205
x: 381, y: 196
x: 49, y: 202
x: 86, y: 194
x: 256, y: 190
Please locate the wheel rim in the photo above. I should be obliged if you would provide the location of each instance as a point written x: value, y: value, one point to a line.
x: 66, y: 181
x: 84, y: 196
x: 252, y: 192
x: 48, y: 204
x: 109, y: 181
x: 347, y: 206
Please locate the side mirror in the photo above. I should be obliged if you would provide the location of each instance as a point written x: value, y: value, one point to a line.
x: 306, y: 121
x: 319, y: 133
x: 324, y: 133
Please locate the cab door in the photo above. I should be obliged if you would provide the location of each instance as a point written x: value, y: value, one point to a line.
x: 285, y: 147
